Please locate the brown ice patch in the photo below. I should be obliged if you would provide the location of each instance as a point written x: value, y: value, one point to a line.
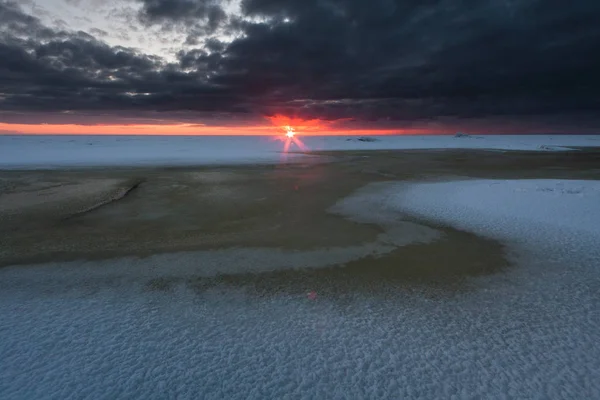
x: 213, y: 177
x: 71, y: 197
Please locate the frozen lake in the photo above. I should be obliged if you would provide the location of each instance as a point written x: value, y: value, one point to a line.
x: 56, y: 151
x: 321, y: 289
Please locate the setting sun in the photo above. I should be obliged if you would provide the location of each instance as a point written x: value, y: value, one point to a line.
x: 289, y: 131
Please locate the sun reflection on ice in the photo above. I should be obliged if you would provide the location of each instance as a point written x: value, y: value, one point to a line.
x: 292, y: 139
x: 289, y: 136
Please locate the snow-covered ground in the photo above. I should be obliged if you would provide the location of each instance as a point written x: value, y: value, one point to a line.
x: 55, y: 151
x: 540, y: 322
x: 508, y: 209
x: 530, y: 332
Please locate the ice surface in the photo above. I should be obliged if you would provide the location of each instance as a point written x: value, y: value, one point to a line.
x: 531, y: 332
x: 540, y: 219
x: 505, y: 209
x: 55, y: 151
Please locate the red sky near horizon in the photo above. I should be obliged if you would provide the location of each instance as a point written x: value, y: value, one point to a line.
x: 278, y: 126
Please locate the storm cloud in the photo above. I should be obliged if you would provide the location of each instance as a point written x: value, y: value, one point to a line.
x: 381, y: 60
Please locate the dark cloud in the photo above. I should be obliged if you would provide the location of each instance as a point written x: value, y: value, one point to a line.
x: 197, y: 15
x: 14, y: 22
x: 98, y: 32
x: 377, y: 60
x: 56, y: 70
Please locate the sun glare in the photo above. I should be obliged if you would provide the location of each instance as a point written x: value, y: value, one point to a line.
x: 290, y: 139
x: 289, y: 131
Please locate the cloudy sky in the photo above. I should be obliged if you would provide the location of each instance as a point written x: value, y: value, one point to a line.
x: 244, y: 66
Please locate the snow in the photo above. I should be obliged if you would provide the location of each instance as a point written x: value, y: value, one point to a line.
x: 506, y: 209
x: 481, y: 142
x: 540, y: 220
x: 551, y: 220
x: 529, y: 332
x: 56, y: 151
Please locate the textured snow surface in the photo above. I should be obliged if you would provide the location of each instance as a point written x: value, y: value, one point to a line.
x: 55, y: 151
x: 543, y: 218
x: 506, y: 209
x: 531, y: 332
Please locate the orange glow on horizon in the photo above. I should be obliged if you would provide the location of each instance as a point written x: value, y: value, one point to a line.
x: 293, y: 126
x: 281, y: 127
x: 138, y: 129
x: 298, y: 124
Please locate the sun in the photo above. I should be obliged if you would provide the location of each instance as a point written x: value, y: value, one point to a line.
x: 289, y: 131
x: 291, y: 139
